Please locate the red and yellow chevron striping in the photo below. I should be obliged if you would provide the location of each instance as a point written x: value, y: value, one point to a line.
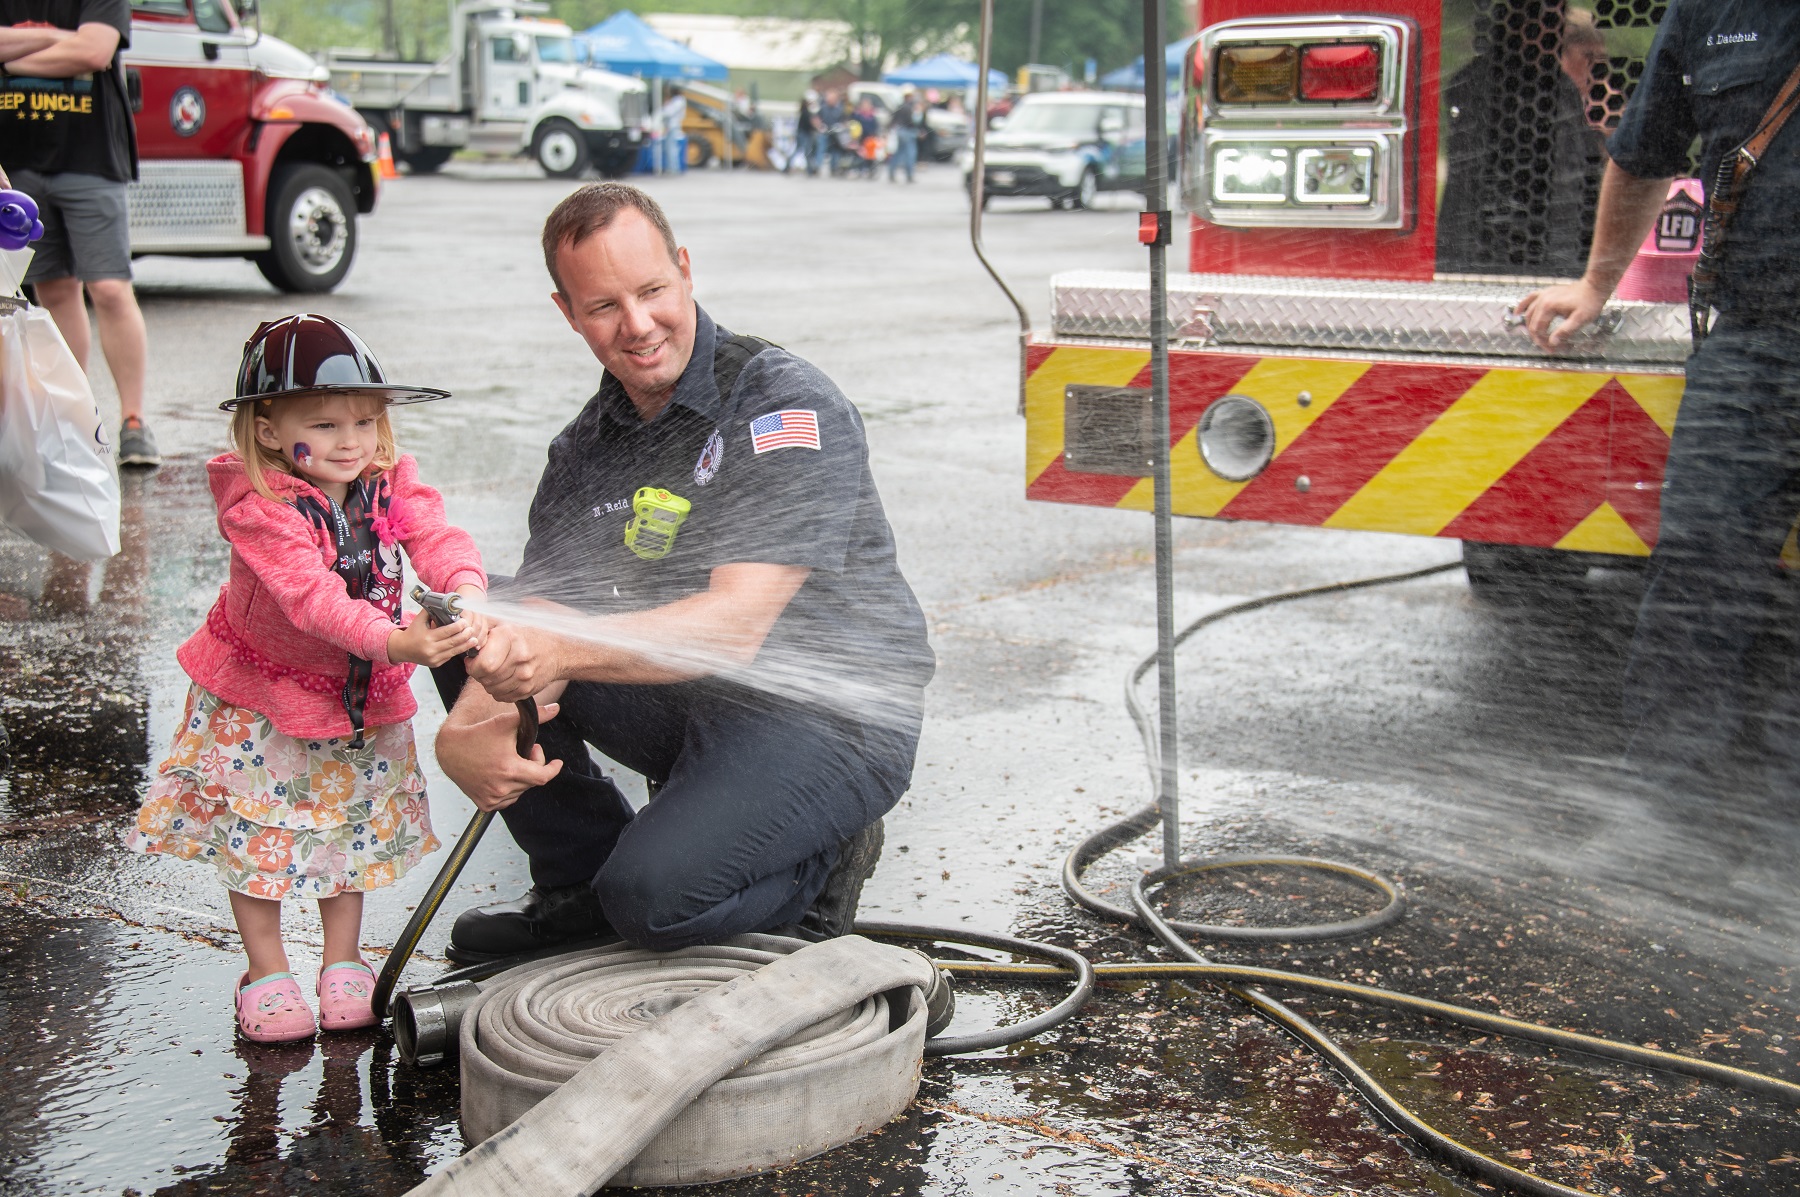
x: 1571, y: 458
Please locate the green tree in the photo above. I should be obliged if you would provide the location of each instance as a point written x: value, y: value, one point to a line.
x: 1111, y: 32
x: 412, y: 29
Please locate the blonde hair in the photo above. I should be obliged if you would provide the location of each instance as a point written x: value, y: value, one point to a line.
x: 1580, y: 29
x: 259, y: 459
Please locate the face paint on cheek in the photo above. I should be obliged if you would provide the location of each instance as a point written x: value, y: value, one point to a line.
x: 302, y: 454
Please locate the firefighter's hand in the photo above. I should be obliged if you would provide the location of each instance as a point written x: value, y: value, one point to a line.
x: 424, y: 643
x: 1574, y: 304
x: 481, y: 756
x: 516, y: 662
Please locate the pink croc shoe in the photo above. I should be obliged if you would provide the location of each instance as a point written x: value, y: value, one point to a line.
x: 346, y: 990
x: 273, y: 1010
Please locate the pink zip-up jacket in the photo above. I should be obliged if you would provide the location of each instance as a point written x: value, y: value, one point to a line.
x: 277, y: 640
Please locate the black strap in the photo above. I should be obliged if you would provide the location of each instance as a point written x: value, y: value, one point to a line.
x: 352, y: 534
x: 730, y: 358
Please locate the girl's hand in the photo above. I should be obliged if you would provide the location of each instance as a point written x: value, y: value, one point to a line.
x: 481, y: 623
x: 423, y: 644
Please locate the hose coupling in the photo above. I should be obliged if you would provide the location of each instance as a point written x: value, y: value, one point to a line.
x: 427, y: 1019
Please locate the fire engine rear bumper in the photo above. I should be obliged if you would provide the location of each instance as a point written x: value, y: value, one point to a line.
x: 1315, y: 403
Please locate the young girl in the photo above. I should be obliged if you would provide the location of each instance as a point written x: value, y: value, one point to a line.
x: 294, y: 770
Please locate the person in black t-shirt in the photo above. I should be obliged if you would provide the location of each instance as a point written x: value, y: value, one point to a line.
x: 66, y: 136
x: 1714, y: 613
x: 761, y: 658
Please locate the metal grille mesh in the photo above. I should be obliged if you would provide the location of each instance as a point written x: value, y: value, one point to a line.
x: 186, y: 202
x: 1524, y: 161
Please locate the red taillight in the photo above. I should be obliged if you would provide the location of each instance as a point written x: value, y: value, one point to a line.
x: 1340, y: 72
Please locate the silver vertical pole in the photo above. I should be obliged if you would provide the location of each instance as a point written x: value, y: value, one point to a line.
x: 978, y: 190
x: 1156, y: 231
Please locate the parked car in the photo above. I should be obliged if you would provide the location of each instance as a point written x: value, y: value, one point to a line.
x: 1067, y: 146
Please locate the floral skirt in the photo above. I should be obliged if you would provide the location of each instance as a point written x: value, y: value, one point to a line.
x: 281, y: 817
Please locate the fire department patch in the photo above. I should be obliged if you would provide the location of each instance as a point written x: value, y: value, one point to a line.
x: 187, y: 111
x: 707, y: 468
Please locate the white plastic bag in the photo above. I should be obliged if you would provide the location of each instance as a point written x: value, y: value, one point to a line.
x: 57, y: 484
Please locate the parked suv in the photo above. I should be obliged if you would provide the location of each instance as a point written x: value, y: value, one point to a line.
x: 1066, y: 145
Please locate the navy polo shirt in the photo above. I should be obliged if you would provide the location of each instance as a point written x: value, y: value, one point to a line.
x: 853, y: 636
x: 1713, y: 70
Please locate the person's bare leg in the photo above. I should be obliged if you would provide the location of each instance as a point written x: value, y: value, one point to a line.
x: 259, y: 926
x: 61, y: 297
x: 123, y: 341
x: 342, y: 917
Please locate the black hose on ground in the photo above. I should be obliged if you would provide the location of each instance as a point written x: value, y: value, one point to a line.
x: 1246, y: 982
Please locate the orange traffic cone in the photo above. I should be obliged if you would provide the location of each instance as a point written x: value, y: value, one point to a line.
x: 384, y: 157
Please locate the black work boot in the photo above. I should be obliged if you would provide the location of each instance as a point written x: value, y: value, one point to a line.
x: 833, y: 912
x: 545, y: 917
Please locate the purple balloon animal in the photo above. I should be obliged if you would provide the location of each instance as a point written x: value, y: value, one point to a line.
x: 19, y: 223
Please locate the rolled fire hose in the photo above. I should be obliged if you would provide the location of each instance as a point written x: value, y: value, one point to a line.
x: 657, y: 1068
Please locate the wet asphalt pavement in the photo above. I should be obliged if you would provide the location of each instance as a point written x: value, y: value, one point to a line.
x: 1465, y: 751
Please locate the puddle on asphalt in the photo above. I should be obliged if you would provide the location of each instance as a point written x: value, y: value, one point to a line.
x: 125, y: 1076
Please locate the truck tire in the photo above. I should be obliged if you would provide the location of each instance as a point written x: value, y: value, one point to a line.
x: 311, y: 223
x: 560, y: 149
x: 427, y: 159
x: 1516, y: 575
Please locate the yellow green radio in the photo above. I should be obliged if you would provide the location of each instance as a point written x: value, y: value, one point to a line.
x: 656, y: 515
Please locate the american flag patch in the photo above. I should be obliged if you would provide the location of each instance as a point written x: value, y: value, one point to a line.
x: 781, y: 429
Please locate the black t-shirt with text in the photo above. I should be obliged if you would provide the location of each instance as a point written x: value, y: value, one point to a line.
x: 80, y: 125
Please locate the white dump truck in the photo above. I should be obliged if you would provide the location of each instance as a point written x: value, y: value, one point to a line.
x: 511, y: 82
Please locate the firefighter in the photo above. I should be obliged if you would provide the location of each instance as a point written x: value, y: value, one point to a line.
x: 752, y: 647
x: 1732, y: 483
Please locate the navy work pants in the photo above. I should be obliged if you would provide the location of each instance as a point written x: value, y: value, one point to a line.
x: 1709, y: 656
x: 757, y: 796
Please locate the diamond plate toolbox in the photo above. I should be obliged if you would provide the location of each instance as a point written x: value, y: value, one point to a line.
x: 176, y: 204
x: 1439, y: 318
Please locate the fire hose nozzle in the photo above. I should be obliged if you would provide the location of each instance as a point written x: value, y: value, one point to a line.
x: 440, y: 607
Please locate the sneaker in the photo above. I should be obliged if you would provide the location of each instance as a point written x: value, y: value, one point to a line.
x: 545, y: 917
x: 273, y: 1010
x: 346, y: 991
x: 137, y: 445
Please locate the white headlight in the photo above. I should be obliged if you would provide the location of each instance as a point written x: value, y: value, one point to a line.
x: 1237, y: 438
x: 1335, y: 175
x: 1250, y: 174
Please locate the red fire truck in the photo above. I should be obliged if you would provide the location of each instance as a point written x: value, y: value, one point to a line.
x: 243, y: 150
x: 1369, y: 196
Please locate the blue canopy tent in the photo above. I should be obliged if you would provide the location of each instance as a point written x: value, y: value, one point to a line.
x: 626, y: 44
x: 946, y: 71
x: 1131, y: 78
